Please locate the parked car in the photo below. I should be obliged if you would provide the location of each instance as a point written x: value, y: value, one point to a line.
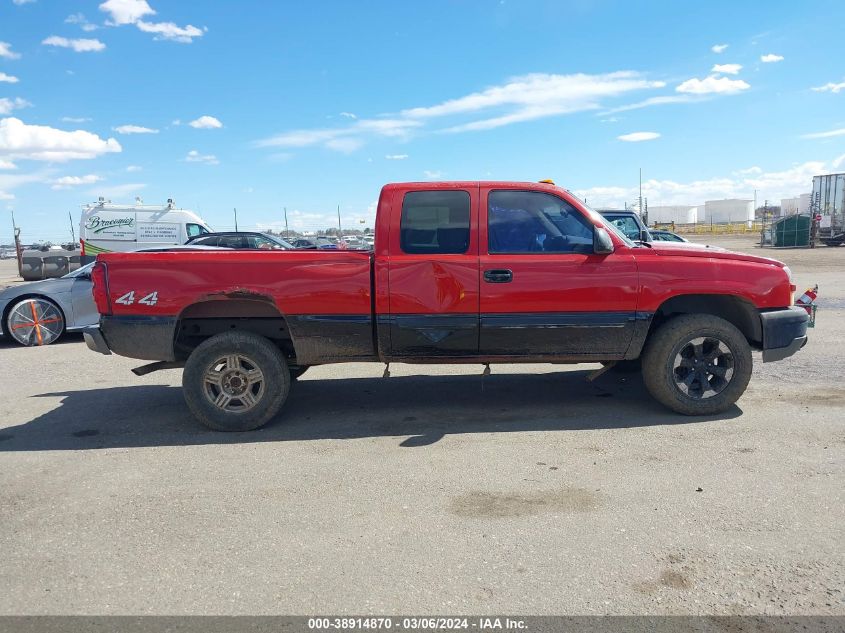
x: 465, y: 272
x: 312, y: 243
x: 661, y: 235
x: 628, y: 222
x: 38, y: 313
x: 241, y: 240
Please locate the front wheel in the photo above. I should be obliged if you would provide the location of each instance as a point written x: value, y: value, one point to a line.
x: 235, y: 381
x: 697, y: 364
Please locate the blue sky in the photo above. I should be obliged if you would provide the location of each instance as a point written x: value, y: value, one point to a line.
x: 263, y: 105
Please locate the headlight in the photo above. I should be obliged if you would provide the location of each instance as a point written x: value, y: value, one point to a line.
x: 788, y: 272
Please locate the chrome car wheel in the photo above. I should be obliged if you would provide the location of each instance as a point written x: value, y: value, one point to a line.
x: 234, y: 383
x: 35, y: 322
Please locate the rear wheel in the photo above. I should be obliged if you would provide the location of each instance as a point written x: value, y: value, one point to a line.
x: 235, y: 381
x: 35, y: 321
x: 697, y: 364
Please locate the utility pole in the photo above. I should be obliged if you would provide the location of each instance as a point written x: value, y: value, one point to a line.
x: 339, y: 229
x: 236, y: 220
x: 641, y: 191
x: 72, y: 233
x: 287, y: 235
x: 18, y: 251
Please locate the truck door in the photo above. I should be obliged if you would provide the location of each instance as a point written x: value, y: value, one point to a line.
x: 433, y: 273
x: 543, y: 291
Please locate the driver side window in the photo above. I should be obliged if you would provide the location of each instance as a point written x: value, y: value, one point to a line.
x: 535, y: 222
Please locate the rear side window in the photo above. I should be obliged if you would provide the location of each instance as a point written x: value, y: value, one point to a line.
x: 435, y: 222
x: 206, y: 241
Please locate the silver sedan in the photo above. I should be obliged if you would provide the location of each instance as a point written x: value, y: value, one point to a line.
x: 38, y: 313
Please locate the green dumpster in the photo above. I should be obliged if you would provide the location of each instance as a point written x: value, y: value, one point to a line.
x: 793, y: 230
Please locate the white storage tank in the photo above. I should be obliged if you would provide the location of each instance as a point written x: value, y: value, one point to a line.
x: 677, y: 213
x: 799, y: 204
x: 728, y: 210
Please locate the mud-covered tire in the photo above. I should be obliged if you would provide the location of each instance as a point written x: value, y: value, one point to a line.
x: 297, y: 370
x: 235, y: 381
x: 714, y: 379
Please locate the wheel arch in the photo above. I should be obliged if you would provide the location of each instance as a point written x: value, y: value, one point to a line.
x: 740, y: 312
x: 207, y: 317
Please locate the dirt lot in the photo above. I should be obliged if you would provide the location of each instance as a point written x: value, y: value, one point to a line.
x: 433, y: 491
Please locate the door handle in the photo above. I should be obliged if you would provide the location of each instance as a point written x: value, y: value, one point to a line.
x: 498, y: 276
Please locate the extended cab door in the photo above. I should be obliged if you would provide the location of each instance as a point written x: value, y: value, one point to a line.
x: 433, y: 272
x: 543, y: 291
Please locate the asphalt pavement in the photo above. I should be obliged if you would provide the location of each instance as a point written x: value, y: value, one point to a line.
x: 437, y: 490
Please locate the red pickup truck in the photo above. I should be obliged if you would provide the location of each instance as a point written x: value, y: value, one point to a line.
x: 461, y: 272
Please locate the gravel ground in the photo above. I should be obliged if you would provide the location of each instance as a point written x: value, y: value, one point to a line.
x: 434, y: 491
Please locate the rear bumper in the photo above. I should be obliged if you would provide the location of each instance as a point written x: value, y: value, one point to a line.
x: 95, y: 341
x: 784, y: 332
x: 147, y: 338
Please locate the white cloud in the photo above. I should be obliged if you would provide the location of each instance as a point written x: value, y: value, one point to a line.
x: 712, y: 85
x: 206, y: 122
x: 661, y: 100
x: 195, y: 157
x: 7, y: 105
x: 123, y: 12
x: 830, y: 87
x: 523, y: 98
x: 535, y: 96
x: 82, y: 21
x: 827, y: 134
x: 66, y: 182
x: 7, y: 164
x: 22, y: 2
x: 75, y: 119
x: 81, y: 45
x: 719, y: 48
x: 636, y: 137
x: 771, y: 58
x: 134, y: 129
x: 9, y: 79
x: 6, y: 196
x: 126, y: 11
x: 41, y: 142
x: 432, y: 175
x: 838, y: 161
x: 772, y: 185
x: 396, y: 156
x: 348, y: 115
x: 133, y: 168
x: 7, y: 52
x: 170, y: 31
x: 728, y: 69
x: 345, y: 145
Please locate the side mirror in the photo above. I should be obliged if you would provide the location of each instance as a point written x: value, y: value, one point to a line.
x: 602, y: 244
x: 645, y: 236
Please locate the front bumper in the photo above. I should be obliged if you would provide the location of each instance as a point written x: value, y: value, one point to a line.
x: 784, y: 332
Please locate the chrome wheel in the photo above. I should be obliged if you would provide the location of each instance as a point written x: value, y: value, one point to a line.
x: 703, y: 367
x: 35, y: 322
x: 234, y: 383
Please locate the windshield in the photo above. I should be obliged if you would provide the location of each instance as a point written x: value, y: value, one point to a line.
x: 608, y: 225
x: 80, y: 272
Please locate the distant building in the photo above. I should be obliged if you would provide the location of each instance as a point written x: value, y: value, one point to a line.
x: 799, y: 204
x: 677, y: 213
x: 728, y: 210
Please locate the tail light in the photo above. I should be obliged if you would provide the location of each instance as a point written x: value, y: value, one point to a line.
x: 99, y: 278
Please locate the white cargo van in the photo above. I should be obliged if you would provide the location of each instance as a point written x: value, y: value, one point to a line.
x: 107, y: 227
